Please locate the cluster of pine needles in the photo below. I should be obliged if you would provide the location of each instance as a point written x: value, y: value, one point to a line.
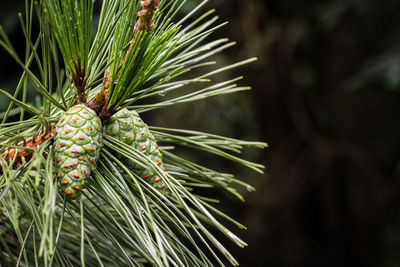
x: 119, y: 219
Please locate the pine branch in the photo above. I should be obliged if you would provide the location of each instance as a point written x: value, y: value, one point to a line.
x: 101, y: 101
x: 121, y: 218
x: 71, y: 23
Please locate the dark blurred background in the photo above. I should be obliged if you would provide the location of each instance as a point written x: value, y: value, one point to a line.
x: 326, y: 98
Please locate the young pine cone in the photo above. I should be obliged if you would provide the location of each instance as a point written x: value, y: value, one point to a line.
x: 128, y: 127
x: 78, y: 139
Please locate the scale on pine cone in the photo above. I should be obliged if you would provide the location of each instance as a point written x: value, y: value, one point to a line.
x: 77, y: 146
x: 128, y: 127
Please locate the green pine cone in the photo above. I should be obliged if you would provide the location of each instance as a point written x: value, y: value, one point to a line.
x: 77, y: 146
x: 128, y: 127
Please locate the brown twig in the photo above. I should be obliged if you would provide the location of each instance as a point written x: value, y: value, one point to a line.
x: 145, y: 20
x: 17, y: 156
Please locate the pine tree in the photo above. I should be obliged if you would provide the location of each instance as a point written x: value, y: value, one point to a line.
x: 140, y: 205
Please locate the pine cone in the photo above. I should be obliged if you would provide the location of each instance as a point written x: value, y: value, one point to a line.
x: 128, y: 127
x: 77, y: 146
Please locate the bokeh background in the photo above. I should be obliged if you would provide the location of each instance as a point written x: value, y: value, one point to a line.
x: 326, y: 98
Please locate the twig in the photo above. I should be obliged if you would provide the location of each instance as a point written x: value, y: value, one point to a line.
x: 18, y: 156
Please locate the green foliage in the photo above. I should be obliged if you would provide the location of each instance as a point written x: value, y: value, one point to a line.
x: 71, y: 23
x: 119, y: 219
